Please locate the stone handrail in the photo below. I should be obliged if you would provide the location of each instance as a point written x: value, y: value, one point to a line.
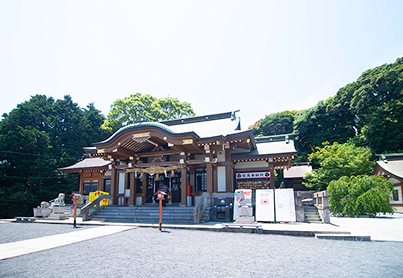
x: 321, y: 202
x: 92, y: 208
x: 201, y: 206
x: 299, y: 209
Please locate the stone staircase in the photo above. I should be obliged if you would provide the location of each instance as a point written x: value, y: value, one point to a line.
x: 149, y: 214
x: 312, y: 215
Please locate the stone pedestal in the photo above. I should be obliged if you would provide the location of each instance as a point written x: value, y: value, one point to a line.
x: 245, y: 215
x: 57, y: 213
x: 245, y: 220
x: 42, y: 212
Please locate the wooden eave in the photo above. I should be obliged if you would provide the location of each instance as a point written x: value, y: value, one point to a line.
x: 280, y: 161
x: 143, y: 142
x: 148, y: 142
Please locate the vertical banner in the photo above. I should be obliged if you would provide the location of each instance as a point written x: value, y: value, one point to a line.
x: 96, y: 194
x: 285, y: 205
x: 265, y: 205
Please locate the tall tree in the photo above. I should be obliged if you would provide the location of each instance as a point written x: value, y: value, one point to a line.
x: 359, y: 195
x: 335, y: 161
x: 275, y: 124
x: 36, y: 138
x: 138, y: 107
x: 328, y: 121
x: 377, y: 102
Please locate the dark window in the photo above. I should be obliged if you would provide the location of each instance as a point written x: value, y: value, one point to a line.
x: 395, y: 195
x: 201, y: 179
x: 107, y: 186
x: 89, y: 187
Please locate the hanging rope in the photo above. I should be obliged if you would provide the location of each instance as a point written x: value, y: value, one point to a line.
x: 154, y: 169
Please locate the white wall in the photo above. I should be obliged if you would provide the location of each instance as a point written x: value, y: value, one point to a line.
x: 221, y: 179
x: 251, y: 164
x: 122, y: 180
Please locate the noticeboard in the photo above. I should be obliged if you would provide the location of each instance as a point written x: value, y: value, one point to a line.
x: 285, y: 205
x: 265, y: 205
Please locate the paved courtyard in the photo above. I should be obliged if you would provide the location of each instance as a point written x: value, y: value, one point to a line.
x: 147, y: 252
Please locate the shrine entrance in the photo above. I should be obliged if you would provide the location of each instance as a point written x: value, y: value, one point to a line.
x: 176, y: 187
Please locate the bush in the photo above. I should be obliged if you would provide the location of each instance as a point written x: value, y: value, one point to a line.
x: 360, y: 195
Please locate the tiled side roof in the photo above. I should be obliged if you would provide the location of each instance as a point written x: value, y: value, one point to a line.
x: 272, y: 148
x: 87, y: 163
x: 395, y: 167
x: 297, y: 171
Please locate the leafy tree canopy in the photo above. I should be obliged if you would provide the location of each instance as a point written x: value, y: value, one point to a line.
x: 335, y: 161
x: 36, y: 138
x: 326, y: 122
x: 360, y: 195
x: 138, y: 107
x: 275, y: 124
x: 370, y: 108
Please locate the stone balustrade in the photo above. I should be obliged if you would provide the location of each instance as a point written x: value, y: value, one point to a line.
x: 321, y: 202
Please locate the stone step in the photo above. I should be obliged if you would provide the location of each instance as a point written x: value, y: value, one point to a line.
x: 148, y: 214
x: 312, y: 215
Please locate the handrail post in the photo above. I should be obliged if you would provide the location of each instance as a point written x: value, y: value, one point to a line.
x: 85, y: 211
x: 200, y: 207
x: 322, y: 204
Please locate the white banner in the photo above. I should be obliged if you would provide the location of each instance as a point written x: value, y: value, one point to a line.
x: 285, y: 205
x: 265, y: 205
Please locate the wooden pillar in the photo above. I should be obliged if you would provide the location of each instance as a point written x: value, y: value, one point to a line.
x: 81, y: 189
x: 271, y: 168
x: 132, y: 200
x: 114, y: 185
x: 144, y: 188
x: 183, y: 186
x: 209, y: 174
x: 228, y: 171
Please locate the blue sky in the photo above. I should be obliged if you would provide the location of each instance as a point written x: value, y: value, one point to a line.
x: 261, y: 57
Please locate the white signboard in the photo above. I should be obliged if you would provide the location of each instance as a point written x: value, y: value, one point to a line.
x: 285, y: 205
x: 253, y: 175
x: 265, y: 205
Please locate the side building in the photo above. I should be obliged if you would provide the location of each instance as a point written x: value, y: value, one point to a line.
x: 391, y: 167
x: 191, y: 156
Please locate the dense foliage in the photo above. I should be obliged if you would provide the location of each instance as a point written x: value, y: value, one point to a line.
x: 369, y: 111
x: 138, y: 107
x: 360, y: 195
x: 36, y: 138
x: 335, y: 161
x: 275, y: 124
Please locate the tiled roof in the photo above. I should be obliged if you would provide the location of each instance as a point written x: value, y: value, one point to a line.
x: 394, y: 167
x: 222, y: 124
x: 298, y: 171
x: 87, y: 163
x: 269, y: 148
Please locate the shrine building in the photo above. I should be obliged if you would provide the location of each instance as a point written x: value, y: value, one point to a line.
x: 191, y: 156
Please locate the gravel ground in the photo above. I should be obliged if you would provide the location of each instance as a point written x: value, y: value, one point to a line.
x: 12, y: 232
x: 184, y: 253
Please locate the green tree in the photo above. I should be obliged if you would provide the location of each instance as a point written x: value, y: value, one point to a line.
x: 335, y: 161
x: 36, y: 138
x: 359, y: 195
x: 328, y: 121
x: 138, y: 107
x: 275, y: 124
x: 377, y: 102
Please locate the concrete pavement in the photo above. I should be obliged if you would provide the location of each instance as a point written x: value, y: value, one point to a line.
x: 387, y: 228
x: 14, y: 249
